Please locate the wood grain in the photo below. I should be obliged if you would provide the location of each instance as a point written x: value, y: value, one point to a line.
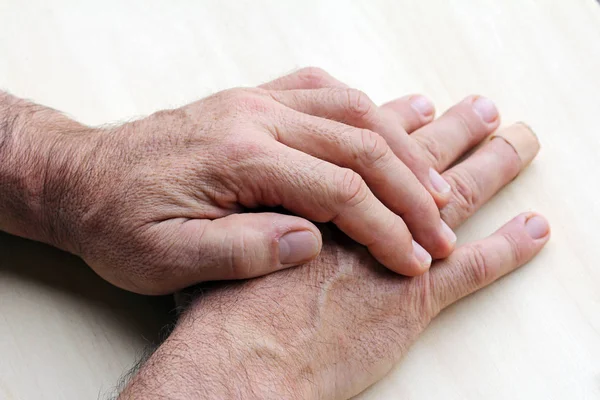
x: 65, y: 334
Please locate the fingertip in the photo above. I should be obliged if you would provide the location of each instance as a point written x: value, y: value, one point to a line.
x: 414, y: 111
x: 449, y: 234
x: 531, y: 230
x: 486, y: 109
x: 439, y: 188
x: 441, y: 242
x: 297, y: 247
x: 299, y: 240
x: 423, y: 106
x: 424, y: 259
x: 537, y: 227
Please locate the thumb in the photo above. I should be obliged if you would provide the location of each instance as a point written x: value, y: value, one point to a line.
x: 242, y: 246
x: 475, y: 265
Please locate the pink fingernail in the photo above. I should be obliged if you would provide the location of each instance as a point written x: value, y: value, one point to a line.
x: 422, y: 105
x: 537, y: 227
x: 422, y: 255
x: 298, y: 246
x: 486, y: 109
x: 438, y: 182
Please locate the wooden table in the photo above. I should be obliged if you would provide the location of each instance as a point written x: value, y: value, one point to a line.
x: 65, y: 334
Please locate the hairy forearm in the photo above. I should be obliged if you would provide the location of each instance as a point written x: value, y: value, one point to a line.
x: 36, y: 143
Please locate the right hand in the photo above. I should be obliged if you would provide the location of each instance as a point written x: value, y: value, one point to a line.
x: 156, y: 205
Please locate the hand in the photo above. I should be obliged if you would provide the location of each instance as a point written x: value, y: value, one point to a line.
x: 331, y: 328
x: 154, y: 205
x: 404, y: 123
x: 187, y: 174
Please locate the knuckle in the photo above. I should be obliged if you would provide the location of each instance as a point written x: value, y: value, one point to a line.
x: 432, y: 149
x: 466, y: 194
x: 237, y: 249
x: 516, y: 249
x: 238, y: 149
x: 358, y: 104
x: 350, y: 188
x: 372, y: 148
x: 452, y: 215
x: 463, y: 121
x: 424, y: 205
x: 243, y: 99
x: 476, y: 268
x: 314, y: 76
x: 428, y: 304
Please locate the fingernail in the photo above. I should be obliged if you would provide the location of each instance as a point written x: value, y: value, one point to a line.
x: 422, y: 105
x: 297, y: 246
x: 537, y: 227
x: 448, y: 233
x: 439, y: 184
x: 422, y: 255
x: 486, y: 109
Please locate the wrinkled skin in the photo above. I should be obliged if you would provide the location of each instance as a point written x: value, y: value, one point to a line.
x: 155, y: 205
x: 332, y: 327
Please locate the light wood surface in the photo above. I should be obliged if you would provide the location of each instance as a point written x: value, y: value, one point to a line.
x: 65, y: 334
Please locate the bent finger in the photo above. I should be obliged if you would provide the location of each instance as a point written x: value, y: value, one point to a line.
x: 368, y: 154
x: 354, y: 108
x: 323, y: 192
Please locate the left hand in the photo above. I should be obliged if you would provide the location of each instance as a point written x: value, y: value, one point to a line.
x: 331, y: 328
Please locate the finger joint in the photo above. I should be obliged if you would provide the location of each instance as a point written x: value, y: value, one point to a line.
x: 373, y: 148
x: 350, y: 187
x: 432, y: 149
x: 358, y: 104
x: 466, y: 194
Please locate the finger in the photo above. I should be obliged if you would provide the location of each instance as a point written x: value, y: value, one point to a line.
x: 305, y: 78
x: 411, y: 112
x: 237, y: 246
x: 323, y: 192
x: 475, y: 265
x: 353, y: 107
x: 368, y: 154
x: 476, y: 180
x: 457, y: 131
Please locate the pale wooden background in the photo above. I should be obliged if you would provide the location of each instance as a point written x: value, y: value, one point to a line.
x: 64, y: 334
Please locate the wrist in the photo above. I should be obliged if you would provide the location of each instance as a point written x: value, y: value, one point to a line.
x: 39, y: 148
